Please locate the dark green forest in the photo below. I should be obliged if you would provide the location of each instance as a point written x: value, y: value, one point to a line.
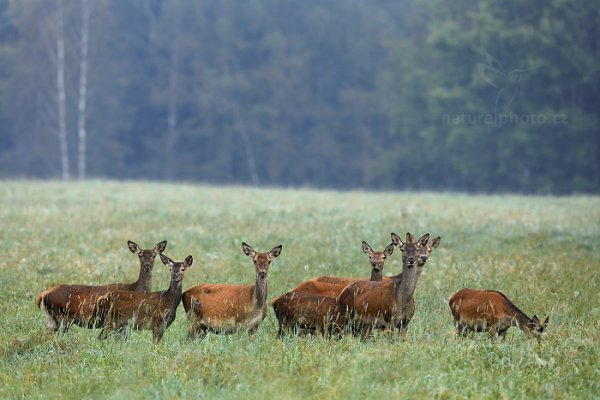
x: 475, y: 96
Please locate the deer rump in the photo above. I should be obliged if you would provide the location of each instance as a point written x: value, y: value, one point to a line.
x: 75, y: 304
x: 221, y: 308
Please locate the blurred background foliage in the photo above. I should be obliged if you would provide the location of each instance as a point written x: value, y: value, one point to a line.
x: 465, y: 95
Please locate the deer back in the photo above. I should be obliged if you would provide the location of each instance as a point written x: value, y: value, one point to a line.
x: 145, y: 310
x: 219, y: 302
x: 75, y: 303
x: 320, y: 288
x: 368, y: 301
x: 472, y: 306
x: 306, y: 311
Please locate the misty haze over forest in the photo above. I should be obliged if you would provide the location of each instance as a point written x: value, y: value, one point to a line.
x: 480, y: 96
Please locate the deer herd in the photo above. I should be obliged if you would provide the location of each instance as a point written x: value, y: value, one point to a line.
x: 323, y: 305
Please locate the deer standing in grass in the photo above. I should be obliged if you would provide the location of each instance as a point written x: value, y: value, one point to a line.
x: 228, y: 308
x: 491, y: 311
x: 66, y: 305
x: 311, y: 306
x: 387, y: 305
x: 153, y: 311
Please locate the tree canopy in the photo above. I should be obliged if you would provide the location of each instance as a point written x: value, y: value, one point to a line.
x: 404, y: 94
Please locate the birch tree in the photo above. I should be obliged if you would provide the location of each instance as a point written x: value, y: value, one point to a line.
x: 82, y: 98
x: 60, y: 90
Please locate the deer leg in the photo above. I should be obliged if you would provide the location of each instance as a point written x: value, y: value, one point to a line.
x: 158, y: 334
x: 104, y: 333
x: 403, y: 331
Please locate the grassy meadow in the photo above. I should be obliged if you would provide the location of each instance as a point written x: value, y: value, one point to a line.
x: 542, y: 252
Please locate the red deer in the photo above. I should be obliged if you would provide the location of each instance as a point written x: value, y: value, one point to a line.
x: 491, y: 311
x: 307, y: 312
x: 387, y: 305
x: 153, y: 311
x: 65, y: 305
x: 229, y: 308
x: 377, y: 260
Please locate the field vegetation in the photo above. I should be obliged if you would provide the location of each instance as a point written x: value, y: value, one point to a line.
x: 543, y: 252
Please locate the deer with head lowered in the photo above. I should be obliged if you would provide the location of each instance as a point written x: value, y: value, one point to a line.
x: 311, y: 306
x: 387, y: 305
x: 226, y: 309
x: 66, y: 305
x: 491, y: 311
x: 153, y: 311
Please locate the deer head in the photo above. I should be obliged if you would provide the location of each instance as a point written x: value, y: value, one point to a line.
x: 425, y: 248
x: 409, y: 248
x: 377, y: 258
x: 147, y: 256
x: 537, y: 328
x: 177, y: 268
x: 261, y: 260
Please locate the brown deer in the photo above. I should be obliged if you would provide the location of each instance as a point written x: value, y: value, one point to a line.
x: 491, y: 311
x: 376, y: 258
x: 228, y: 308
x: 66, y: 305
x: 307, y: 312
x: 153, y: 311
x: 387, y: 305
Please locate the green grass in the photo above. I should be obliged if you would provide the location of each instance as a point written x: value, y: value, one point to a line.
x: 543, y: 252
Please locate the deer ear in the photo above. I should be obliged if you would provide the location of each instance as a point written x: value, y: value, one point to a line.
x: 165, y: 260
x: 436, y: 242
x: 409, y: 238
x: 423, y: 239
x: 396, y: 240
x: 159, y: 248
x: 535, y: 320
x: 366, y: 248
x: 389, y: 249
x: 547, y: 320
x: 133, y: 247
x: 188, y: 261
x: 248, y: 250
x: 276, y: 251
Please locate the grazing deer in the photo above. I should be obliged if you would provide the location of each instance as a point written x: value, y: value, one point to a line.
x: 65, y: 305
x: 388, y: 305
x: 425, y: 250
x: 153, y: 311
x: 228, y: 308
x: 307, y: 312
x: 376, y: 258
x: 491, y: 311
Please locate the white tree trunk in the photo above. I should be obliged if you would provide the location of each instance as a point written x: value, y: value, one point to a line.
x: 82, y: 101
x: 62, y: 98
x: 172, y: 110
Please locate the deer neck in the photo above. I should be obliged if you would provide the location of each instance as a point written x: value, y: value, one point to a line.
x: 405, y: 288
x: 174, y: 292
x: 144, y: 281
x: 260, y: 293
x: 376, y: 276
x: 521, y: 320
